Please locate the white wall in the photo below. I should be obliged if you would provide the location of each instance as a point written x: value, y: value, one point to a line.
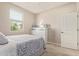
x: 78, y: 22
x: 28, y: 20
x: 52, y: 17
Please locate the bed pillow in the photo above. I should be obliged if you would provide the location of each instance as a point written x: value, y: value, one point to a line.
x: 3, y: 39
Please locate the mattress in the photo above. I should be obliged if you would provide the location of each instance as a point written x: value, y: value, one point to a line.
x: 22, y: 38
x: 22, y: 45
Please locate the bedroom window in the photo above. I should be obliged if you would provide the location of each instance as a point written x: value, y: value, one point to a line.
x: 16, y: 20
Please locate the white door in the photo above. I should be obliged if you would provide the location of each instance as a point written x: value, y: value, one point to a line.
x: 69, y: 31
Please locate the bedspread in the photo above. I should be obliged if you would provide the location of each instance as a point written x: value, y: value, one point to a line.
x: 30, y: 48
x: 27, y: 45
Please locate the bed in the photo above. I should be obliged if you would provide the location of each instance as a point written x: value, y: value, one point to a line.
x: 23, y: 45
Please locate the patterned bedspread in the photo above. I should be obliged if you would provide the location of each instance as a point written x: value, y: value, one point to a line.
x: 28, y: 45
x: 31, y: 48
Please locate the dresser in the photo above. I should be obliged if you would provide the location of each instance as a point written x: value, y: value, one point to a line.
x: 41, y: 31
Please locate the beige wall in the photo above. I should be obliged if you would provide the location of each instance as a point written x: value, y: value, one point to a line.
x: 28, y: 20
x: 52, y: 17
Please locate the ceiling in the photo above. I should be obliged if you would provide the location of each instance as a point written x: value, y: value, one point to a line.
x: 37, y: 7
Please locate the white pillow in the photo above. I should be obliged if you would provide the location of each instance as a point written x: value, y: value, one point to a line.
x: 3, y: 39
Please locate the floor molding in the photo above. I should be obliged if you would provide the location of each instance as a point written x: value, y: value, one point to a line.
x: 59, y: 45
x: 54, y: 44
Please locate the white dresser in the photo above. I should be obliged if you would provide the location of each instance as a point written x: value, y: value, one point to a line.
x: 41, y: 31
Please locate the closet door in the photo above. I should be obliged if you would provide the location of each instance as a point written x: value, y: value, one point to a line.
x: 69, y: 31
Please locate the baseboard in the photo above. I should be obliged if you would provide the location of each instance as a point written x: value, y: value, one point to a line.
x: 60, y: 45
x: 54, y: 43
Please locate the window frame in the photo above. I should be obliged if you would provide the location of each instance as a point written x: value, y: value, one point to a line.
x: 21, y: 30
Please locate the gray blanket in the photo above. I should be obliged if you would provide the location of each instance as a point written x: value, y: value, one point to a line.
x: 31, y: 48
x: 27, y: 45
